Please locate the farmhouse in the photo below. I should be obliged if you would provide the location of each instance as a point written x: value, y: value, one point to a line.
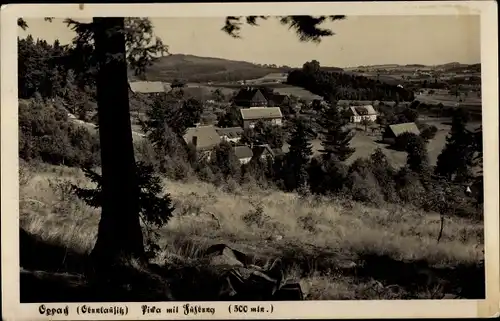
x: 250, y: 97
x: 230, y: 134
x: 148, y: 87
x: 279, y: 99
x: 244, y: 153
x: 251, y: 116
x: 262, y: 152
x: 347, y: 103
x: 358, y: 113
x: 308, y: 97
x: 204, y: 138
x: 393, y: 131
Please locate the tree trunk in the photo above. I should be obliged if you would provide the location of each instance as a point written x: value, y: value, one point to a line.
x: 119, y: 233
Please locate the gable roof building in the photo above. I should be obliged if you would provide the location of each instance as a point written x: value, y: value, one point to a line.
x: 358, y: 113
x: 230, y: 133
x: 244, y: 153
x: 250, y: 116
x: 366, y: 110
x: 202, y: 137
x: 393, y: 131
x: 148, y: 87
x: 262, y: 151
x: 250, y: 97
x: 261, y: 113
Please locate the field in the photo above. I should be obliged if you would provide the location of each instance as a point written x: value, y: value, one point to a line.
x: 366, y: 143
x: 336, y: 249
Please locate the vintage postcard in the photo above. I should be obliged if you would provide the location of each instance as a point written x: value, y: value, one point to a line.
x: 243, y: 160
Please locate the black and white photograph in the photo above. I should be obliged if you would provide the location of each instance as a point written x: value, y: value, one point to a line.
x: 249, y: 157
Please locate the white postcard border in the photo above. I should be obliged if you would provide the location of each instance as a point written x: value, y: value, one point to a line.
x: 12, y: 309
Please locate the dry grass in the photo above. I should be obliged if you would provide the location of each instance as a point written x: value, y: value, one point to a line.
x: 327, y: 245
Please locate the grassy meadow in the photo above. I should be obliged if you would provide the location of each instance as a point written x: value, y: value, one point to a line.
x: 337, y: 249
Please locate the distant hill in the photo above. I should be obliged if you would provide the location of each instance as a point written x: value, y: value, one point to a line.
x: 452, y: 66
x: 203, y: 69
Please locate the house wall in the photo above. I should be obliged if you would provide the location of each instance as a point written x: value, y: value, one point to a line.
x: 227, y: 139
x: 251, y: 123
x: 277, y: 121
x: 245, y: 160
x: 358, y: 119
x: 355, y: 119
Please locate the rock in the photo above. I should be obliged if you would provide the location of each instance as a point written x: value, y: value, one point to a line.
x: 289, y: 292
x: 221, y: 254
x: 450, y: 296
x: 347, y: 265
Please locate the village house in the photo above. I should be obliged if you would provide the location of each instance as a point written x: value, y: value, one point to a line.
x: 230, y: 134
x: 149, y: 87
x: 347, y: 103
x: 251, y: 116
x: 204, y: 138
x: 393, y: 131
x: 262, y: 152
x: 279, y: 100
x: 250, y: 97
x: 243, y: 153
x: 358, y: 113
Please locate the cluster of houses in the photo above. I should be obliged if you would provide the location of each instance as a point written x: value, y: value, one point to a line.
x: 255, y: 105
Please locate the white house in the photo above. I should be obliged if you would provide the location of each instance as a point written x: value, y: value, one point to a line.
x: 358, y: 113
x: 250, y: 116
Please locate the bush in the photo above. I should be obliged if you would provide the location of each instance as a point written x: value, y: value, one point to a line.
x: 428, y: 132
x: 46, y: 134
x: 402, y: 141
x: 362, y: 184
x: 155, y: 211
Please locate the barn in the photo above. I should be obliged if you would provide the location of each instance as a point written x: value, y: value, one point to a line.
x: 393, y: 131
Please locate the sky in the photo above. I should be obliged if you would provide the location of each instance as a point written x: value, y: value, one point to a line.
x: 358, y: 40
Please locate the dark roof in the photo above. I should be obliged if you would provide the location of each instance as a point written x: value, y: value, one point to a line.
x: 249, y: 94
x: 363, y: 110
x: 398, y: 129
x: 243, y: 152
x: 230, y: 132
x: 278, y: 99
x: 258, y: 150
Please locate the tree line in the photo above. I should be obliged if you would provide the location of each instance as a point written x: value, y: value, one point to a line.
x: 340, y: 85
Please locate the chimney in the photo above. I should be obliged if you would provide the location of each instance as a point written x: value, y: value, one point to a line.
x: 194, y: 141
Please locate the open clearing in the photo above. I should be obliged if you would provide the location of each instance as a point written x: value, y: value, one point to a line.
x: 366, y: 143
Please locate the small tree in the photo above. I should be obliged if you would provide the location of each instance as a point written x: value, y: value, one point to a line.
x: 225, y: 161
x: 417, y: 159
x: 428, y: 132
x: 366, y: 122
x: 297, y: 158
x: 218, y: 96
x: 403, y: 140
x: 457, y: 156
x: 335, y: 136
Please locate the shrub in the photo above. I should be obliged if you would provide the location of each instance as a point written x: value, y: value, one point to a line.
x: 428, y: 132
x: 402, y: 141
x: 155, y: 211
x: 362, y: 184
x: 46, y: 134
